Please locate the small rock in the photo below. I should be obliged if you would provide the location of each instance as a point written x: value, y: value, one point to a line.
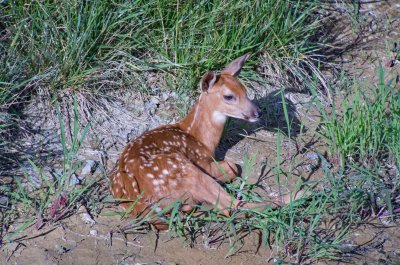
x: 154, y: 100
x: 4, y: 201
x: 75, y: 180
x: 89, y: 168
x: 165, y: 96
x: 93, y: 232
x: 85, y: 216
x: 61, y: 249
x: 308, y: 168
x: 312, y: 156
x: 87, y: 219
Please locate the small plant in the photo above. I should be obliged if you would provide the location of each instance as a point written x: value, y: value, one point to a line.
x: 55, y: 198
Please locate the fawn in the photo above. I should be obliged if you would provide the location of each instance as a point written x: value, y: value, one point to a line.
x: 175, y: 162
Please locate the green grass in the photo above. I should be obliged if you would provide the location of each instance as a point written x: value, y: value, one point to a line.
x: 363, y: 138
x: 71, y: 44
x: 369, y: 127
x: 55, y: 198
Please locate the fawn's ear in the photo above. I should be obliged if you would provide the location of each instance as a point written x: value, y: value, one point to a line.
x: 207, y: 81
x: 234, y: 67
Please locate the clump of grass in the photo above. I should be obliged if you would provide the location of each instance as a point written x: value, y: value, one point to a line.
x: 69, y: 44
x: 48, y: 198
x: 364, y: 142
x: 369, y: 127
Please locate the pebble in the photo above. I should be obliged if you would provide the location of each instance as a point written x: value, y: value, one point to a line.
x: 89, y: 168
x: 75, y: 180
x: 87, y: 219
x: 93, y: 232
x: 4, y: 201
x: 312, y: 156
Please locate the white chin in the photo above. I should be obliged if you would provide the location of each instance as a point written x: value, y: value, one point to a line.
x: 253, y: 120
x: 218, y: 117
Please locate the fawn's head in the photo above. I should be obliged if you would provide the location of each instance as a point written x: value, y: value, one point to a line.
x: 226, y: 95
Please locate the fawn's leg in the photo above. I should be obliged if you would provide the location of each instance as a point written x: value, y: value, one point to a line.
x: 223, y: 171
x: 205, y: 189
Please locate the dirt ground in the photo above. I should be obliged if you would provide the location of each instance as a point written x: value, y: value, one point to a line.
x: 79, y: 241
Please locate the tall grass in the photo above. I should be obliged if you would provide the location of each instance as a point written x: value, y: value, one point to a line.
x: 66, y: 44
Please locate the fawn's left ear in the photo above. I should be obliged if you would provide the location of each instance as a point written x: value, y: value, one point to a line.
x: 234, y: 67
x: 207, y: 81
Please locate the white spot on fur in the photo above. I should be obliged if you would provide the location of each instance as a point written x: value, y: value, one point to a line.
x: 149, y: 175
x: 165, y: 172
x: 155, y: 168
x: 130, y: 175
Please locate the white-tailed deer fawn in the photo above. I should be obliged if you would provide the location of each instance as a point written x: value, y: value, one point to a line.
x: 175, y: 162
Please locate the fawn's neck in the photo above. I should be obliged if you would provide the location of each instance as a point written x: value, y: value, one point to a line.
x: 204, y: 123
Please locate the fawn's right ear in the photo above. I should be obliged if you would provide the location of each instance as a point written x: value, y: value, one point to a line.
x: 207, y: 81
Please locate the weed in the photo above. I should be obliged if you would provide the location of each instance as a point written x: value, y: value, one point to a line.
x: 54, y: 198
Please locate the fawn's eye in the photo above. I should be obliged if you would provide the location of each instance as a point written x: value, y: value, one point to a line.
x: 229, y: 97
